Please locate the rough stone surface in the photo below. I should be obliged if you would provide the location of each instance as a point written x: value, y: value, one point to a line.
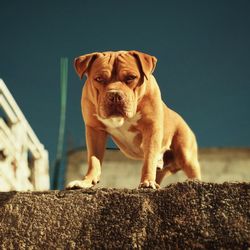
x: 189, y: 215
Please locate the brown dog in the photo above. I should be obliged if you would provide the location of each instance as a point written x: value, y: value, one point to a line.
x: 121, y: 98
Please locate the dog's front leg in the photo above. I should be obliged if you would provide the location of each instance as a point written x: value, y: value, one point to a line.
x: 96, y: 141
x: 151, y: 147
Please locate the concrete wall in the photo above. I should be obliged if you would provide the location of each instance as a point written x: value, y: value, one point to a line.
x: 218, y: 165
x: 188, y: 215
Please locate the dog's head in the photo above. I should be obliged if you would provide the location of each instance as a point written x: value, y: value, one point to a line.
x: 117, y: 80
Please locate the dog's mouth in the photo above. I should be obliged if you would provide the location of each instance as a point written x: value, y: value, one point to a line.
x: 114, y: 116
x: 116, y: 112
x: 123, y: 109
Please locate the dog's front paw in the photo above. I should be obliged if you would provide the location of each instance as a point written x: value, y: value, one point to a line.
x: 149, y: 184
x: 78, y: 184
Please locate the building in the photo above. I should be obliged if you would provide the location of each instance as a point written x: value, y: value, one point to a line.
x: 24, y: 161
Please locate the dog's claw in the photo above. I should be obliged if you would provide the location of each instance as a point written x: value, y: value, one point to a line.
x: 149, y: 184
x: 80, y: 184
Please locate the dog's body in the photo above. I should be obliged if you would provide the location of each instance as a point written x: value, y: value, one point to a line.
x: 121, y: 98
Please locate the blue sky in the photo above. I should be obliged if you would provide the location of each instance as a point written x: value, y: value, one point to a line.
x: 203, y: 51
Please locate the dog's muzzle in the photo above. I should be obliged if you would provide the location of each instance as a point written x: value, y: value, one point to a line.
x: 115, y: 96
x: 115, y: 103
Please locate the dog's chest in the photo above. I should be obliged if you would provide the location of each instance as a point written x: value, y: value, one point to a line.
x: 124, y: 134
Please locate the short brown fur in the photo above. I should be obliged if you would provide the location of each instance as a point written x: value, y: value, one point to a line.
x: 159, y: 130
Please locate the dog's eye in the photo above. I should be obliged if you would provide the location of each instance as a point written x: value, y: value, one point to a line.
x: 100, y: 79
x: 130, y: 78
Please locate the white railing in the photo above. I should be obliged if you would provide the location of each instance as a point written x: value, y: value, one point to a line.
x: 23, y: 159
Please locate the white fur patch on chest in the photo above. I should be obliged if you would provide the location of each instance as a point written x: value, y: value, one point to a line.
x: 113, y: 122
x: 118, y: 127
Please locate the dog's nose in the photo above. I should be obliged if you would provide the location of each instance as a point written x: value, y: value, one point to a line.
x: 115, y: 96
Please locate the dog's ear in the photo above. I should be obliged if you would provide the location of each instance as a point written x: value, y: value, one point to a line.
x: 147, y: 62
x: 82, y: 63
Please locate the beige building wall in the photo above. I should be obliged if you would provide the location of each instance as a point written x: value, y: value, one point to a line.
x: 217, y: 165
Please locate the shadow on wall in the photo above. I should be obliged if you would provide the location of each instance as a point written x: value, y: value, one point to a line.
x: 218, y: 165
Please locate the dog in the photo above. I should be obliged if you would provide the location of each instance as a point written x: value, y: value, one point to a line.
x: 121, y: 98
